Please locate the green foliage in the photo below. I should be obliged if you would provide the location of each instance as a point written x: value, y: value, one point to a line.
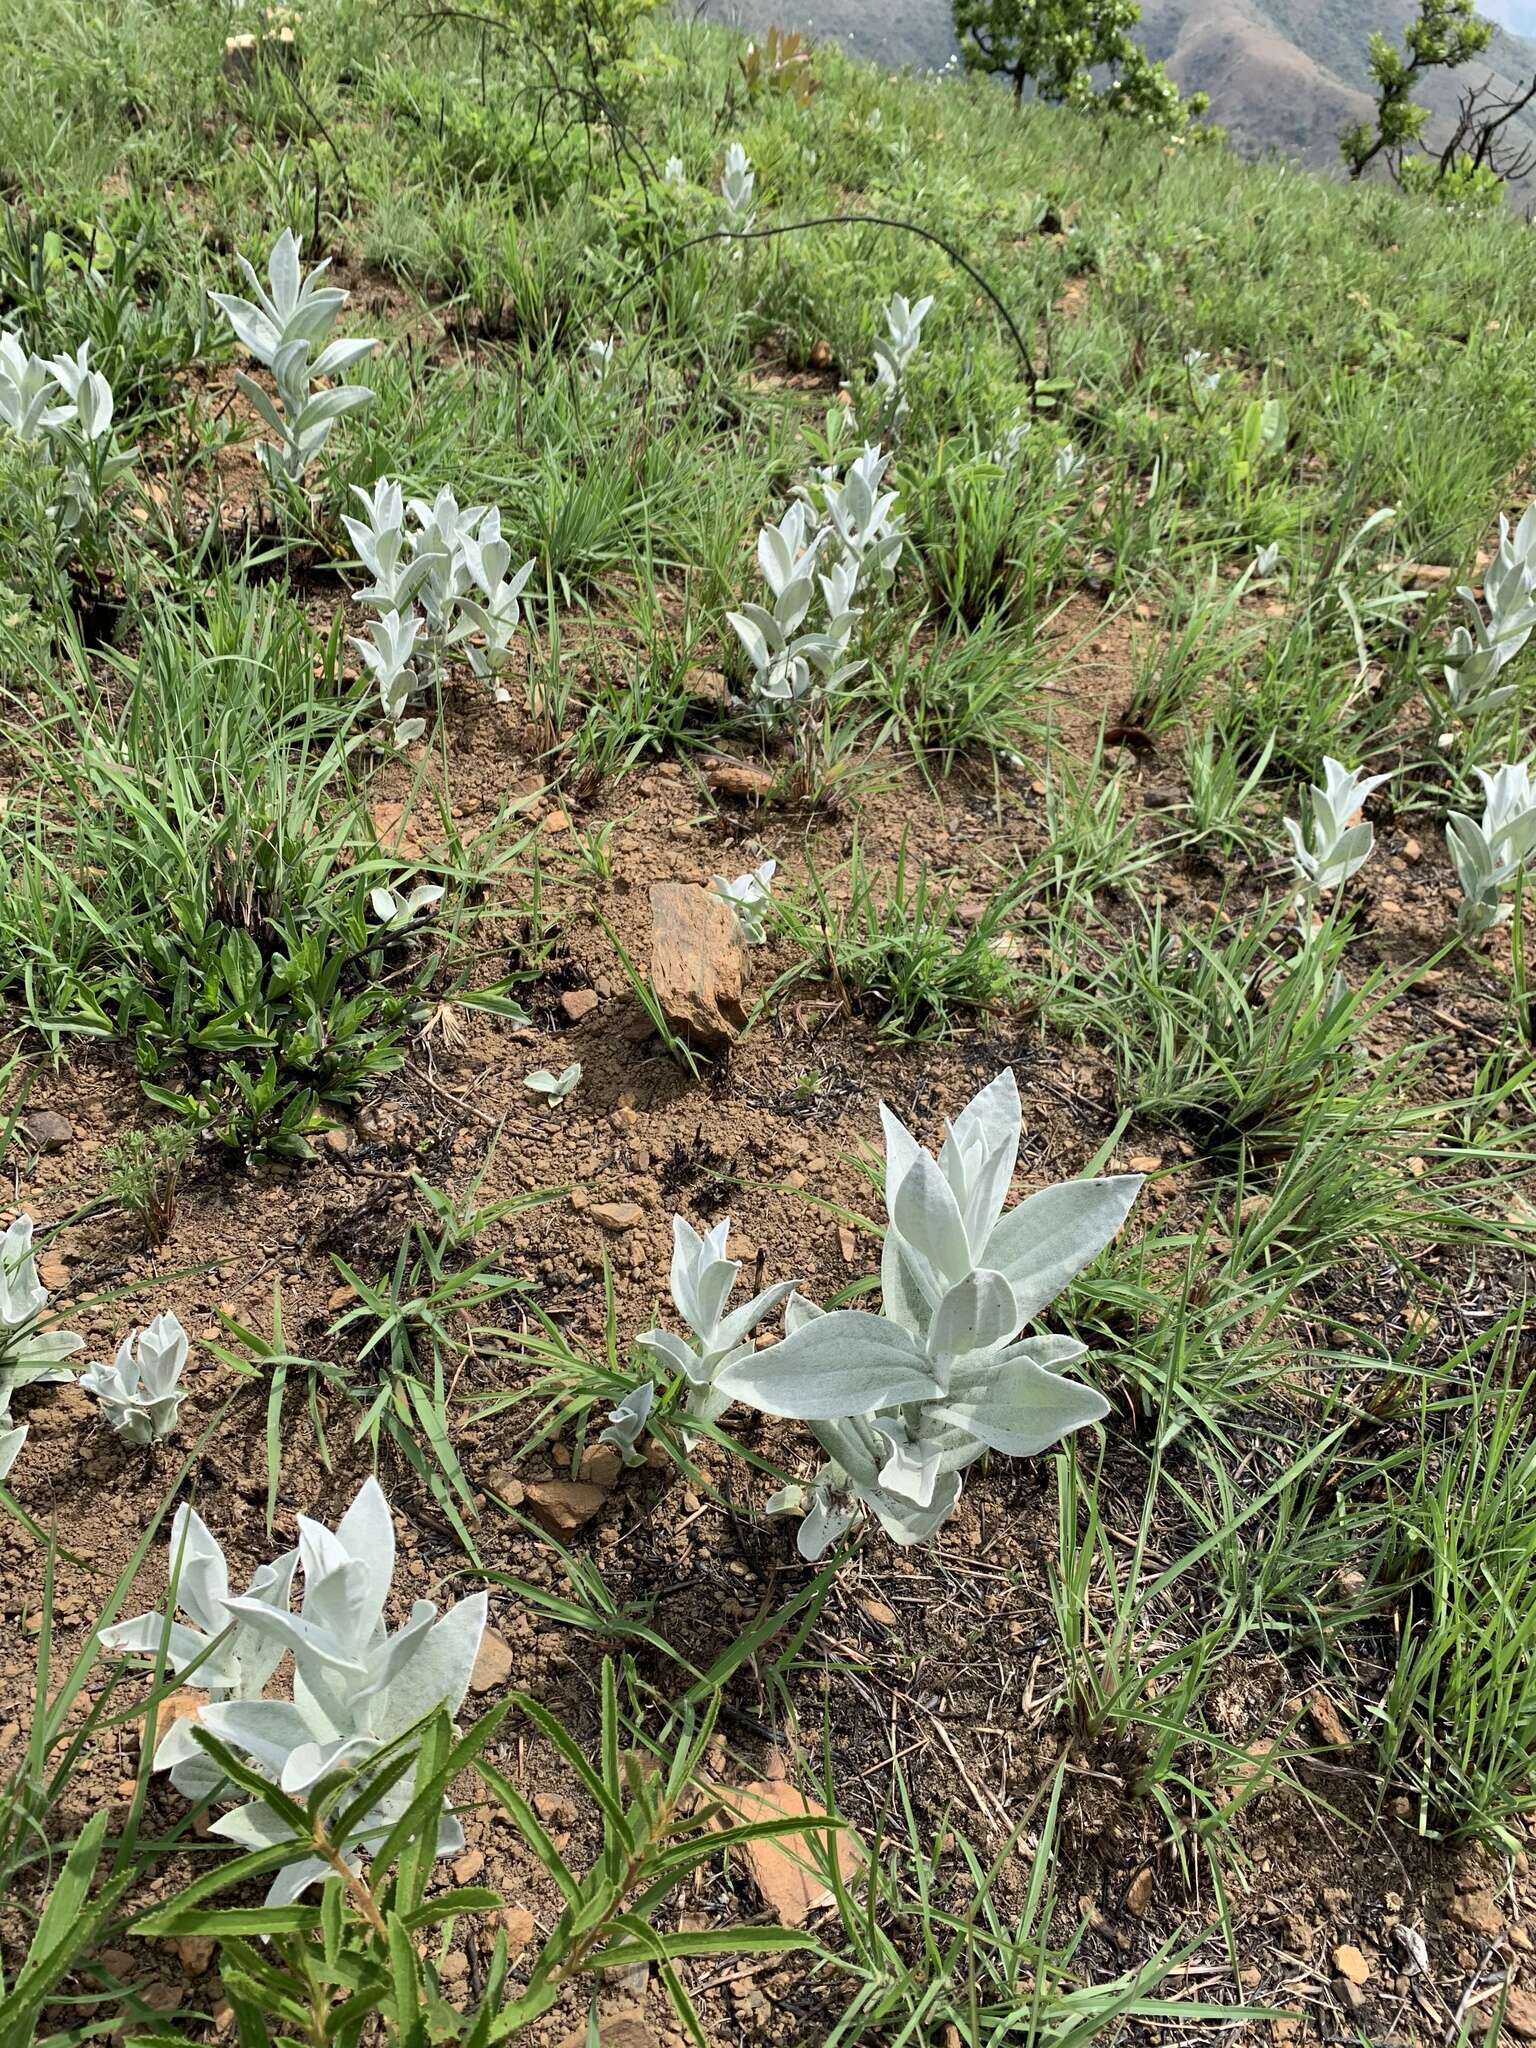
x: 1448, y: 33
x: 890, y: 950
x: 144, y: 1170
x: 1057, y: 45
x: 358, y: 1959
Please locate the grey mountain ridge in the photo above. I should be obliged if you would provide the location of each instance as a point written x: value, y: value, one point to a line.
x: 1283, y: 75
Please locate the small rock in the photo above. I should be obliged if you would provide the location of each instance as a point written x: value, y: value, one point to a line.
x: 1478, y: 1912
x: 1520, y: 2015
x: 517, y: 1923
x: 1350, y: 1963
x: 469, y: 1866
x: 194, y: 1952
x: 1324, y: 1716
x: 493, y: 1662
x: 696, y: 964
x: 185, y: 1704
x: 557, y: 821
x: 337, y: 1139
x: 601, y: 1465
x: 1349, y: 1994
x: 879, y: 1613
x: 1412, y: 850
x: 783, y: 1866
x: 820, y: 357
x: 614, y: 2030
x: 577, y: 1003
x: 47, y: 1130
x: 1138, y: 1893
x: 1145, y: 1162
x: 562, y: 1506
x: 616, y: 1217
x: 739, y: 779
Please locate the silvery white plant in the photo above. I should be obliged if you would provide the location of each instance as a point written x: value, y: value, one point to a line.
x: 140, y: 1392
x: 749, y: 896
x: 28, y: 390
x: 554, y: 1087
x: 1266, y: 560
x: 626, y: 1423
x: 1005, y: 453
x: 78, y: 432
x: 395, y: 911
x: 702, y: 1279
x: 862, y: 514
x: 895, y: 349
x: 1490, y: 854
x: 389, y: 653
x: 1205, y: 381
x: 1333, y: 849
x: 29, y: 1354
x: 1070, y: 464
x: 236, y: 1660
x: 673, y: 172
x: 736, y: 185
x: 357, y: 1688
x: 1480, y: 650
x: 904, y: 1401
x: 598, y: 358
x: 450, y: 561
x: 280, y: 327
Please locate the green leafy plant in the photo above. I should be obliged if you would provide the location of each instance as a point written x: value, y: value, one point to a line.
x: 144, y: 1172
x: 1058, y: 45
x: 1446, y: 35
x: 357, y: 1958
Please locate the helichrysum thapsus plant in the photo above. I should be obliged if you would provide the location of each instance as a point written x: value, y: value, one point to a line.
x: 397, y: 908
x: 280, y: 327
x: 1489, y: 854
x: 749, y: 896
x: 440, y: 588
x: 28, y: 1352
x: 140, y: 1391
x: 357, y: 1687
x: 1336, y: 842
x: 1480, y: 650
x: 69, y: 406
x: 895, y: 349
x: 626, y: 1423
x: 554, y: 1087
x: 238, y: 1669
x: 836, y: 540
x: 902, y: 1402
x: 702, y: 1279
x: 736, y: 185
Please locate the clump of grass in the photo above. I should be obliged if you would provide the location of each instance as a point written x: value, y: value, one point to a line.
x: 893, y: 953
x: 144, y: 1170
x: 1235, y: 1032
x: 1458, y: 1723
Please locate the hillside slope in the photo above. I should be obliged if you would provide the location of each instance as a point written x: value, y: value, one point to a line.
x: 1290, y: 75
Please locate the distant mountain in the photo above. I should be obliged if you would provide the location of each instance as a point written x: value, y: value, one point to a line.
x: 1283, y: 75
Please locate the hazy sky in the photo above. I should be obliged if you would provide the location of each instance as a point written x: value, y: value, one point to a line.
x: 1516, y: 14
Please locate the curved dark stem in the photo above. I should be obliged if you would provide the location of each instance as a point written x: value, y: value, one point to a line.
x: 848, y: 220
